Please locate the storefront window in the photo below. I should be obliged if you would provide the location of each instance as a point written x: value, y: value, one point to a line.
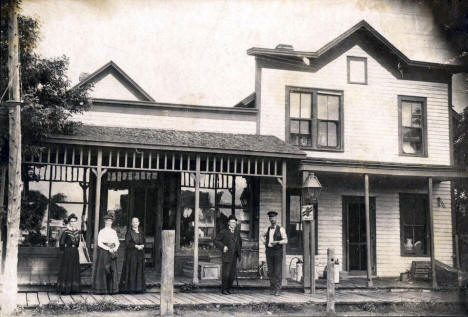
x: 219, y: 198
x: 52, y: 193
x: 117, y: 203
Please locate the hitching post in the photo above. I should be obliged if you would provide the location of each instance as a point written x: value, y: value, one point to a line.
x: 330, y: 282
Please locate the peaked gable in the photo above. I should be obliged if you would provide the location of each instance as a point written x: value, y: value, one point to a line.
x: 111, y: 76
x: 369, y: 39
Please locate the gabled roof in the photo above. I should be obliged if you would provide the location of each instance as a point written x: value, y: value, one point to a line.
x: 247, y: 102
x: 362, y: 31
x: 112, y: 68
x: 186, y: 141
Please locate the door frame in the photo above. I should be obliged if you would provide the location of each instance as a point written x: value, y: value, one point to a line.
x: 346, y: 199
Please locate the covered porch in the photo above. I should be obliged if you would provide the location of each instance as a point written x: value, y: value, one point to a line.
x: 382, y: 218
x: 171, y: 180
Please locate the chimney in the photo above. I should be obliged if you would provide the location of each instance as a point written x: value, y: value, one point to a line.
x: 83, y: 76
x: 285, y: 47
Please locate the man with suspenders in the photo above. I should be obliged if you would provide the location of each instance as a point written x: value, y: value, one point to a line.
x: 274, y: 239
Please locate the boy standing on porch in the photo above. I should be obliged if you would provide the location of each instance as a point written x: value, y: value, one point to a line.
x: 274, y: 239
x: 230, y: 244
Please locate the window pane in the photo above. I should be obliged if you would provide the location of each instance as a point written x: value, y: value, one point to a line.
x: 305, y: 127
x: 412, y: 140
x: 294, y: 139
x: 406, y: 114
x: 305, y: 140
x: 322, y: 133
x: 294, y: 126
x: 333, y: 108
x: 332, y: 137
x: 322, y: 102
x: 306, y: 104
x: 416, y: 115
x: 294, y: 105
x: 67, y: 192
x: 420, y: 240
x: 357, y: 71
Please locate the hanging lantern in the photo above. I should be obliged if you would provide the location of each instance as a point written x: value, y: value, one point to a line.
x: 311, y: 189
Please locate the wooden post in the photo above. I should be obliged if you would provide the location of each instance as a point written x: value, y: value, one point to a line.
x: 431, y: 225
x: 167, y: 273
x: 97, y: 206
x: 330, y: 282
x: 312, y: 256
x: 10, y: 277
x: 307, y: 266
x: 368, y: 231
x: 49, y: 206
x: 159, y: 221
x: 284, y: 281
x: 178, y: 216
x: 3, y: 171
x: 196, y: 220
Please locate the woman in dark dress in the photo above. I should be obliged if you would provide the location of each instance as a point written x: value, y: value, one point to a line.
x: 69, y: 274
x: 132, y: 279
x: 105, y: 279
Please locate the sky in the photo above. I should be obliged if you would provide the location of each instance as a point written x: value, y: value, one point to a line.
x: 194, y: 52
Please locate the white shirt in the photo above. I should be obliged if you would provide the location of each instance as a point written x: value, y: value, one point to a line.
x: 108, y: 235
x: 284, y: 237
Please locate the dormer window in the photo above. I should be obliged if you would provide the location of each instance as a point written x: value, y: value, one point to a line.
x: 357, y: 70
x: 314, y: 118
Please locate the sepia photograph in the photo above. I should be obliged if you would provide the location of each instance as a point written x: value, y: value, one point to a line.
x: 227, y: 158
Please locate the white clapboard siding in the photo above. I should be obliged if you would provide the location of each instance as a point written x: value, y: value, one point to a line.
x: 370, y: 111
x: 129, y: 120
x: 389, y: 261
x: 270, y: 199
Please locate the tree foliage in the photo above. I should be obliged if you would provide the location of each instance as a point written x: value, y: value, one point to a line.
x: 48, y: 100
x: 461, y: 159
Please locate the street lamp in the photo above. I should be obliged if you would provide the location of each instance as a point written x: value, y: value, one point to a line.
x: 311, y: 189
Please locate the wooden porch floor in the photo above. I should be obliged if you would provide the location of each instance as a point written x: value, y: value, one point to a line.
x: 37, y: 282
x: 240, y: 297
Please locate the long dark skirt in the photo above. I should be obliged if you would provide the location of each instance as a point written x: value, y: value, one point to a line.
x: 105, y: 279
x: 132, y: 279
x: 68, y: 280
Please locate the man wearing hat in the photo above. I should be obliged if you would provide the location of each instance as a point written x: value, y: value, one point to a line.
x: 230, y: 244
x: 274, y: 239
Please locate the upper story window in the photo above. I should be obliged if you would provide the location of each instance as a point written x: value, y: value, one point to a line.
x: 412, y: 125
x: 357, y: 70
x: 315, y: 118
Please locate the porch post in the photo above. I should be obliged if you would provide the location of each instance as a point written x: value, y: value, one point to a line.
x: 97, y: 206
x: 283, y: 218
x: 368, y: 231
x: 196, y: 215
x: 431, y: 228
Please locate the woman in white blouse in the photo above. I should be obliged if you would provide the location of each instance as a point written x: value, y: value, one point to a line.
x: 105, y: 279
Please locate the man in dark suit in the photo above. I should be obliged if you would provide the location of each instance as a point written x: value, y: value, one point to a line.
x: 230, y: 244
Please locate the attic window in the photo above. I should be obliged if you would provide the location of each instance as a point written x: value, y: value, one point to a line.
x: 357, y: 70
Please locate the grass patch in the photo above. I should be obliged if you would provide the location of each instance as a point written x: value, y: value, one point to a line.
x: 80, y: 308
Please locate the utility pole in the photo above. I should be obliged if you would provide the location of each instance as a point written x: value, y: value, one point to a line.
x: 10, y: 277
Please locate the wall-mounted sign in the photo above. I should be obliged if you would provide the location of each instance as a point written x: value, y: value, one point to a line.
x: 307, y: 212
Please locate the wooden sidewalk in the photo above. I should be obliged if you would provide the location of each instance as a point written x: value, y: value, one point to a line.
x: 240, y: 297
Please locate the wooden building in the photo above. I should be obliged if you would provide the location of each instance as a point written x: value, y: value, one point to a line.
x: 366, y: 119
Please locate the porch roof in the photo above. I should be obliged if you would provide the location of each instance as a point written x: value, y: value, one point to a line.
x: 185, y: 141
x: 440, y: 172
